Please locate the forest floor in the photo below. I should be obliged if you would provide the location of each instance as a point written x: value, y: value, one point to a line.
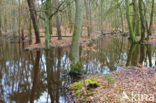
x: 132, y: 85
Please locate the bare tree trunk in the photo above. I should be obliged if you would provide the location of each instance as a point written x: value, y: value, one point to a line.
x: 0, y: 18
x: 30, y: 32
x: 141, y: 11
x: 19, y: 20
x: 87, y: 17
x: 77, y: 31
x: 34, y: 19
x: 151, y: 20
x: 58, y: 22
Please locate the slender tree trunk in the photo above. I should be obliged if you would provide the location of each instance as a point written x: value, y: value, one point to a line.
x: 87, y: 17
x: 47, y: 34
x: 77, y: 31
x: 132, y: 35
x: 30, y: 32
x: 70, y: 18
x: 122, y: 21
x: 141, y: 11
x: 46, y: 24
x: 0, y: 18
x: 58, y: 22
x: 137, y: 26
x: 19, y: 20
x: 134, y: 14
x: 22, y: 21
x: 33, y: 15
x: 13, y: 18
x: 50, y: 27
x: 151, y: 20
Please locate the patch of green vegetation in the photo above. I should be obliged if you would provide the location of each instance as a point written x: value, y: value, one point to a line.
x: 92, y: 84
x: 76, y: 68
x: 77, y: 86
x: 89, y: 94
x: 109, y: 78
x: 77, y: 93
x: 84, y: 100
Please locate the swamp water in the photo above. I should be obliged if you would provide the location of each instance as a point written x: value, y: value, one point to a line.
x: 42, y: 76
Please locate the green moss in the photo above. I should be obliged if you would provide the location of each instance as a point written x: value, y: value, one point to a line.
x: 84, y: 100
x: 77, y: 93
x: 77, y: 86
x: 76, y: 68
x: 92, y: 84
x: 89, y: 94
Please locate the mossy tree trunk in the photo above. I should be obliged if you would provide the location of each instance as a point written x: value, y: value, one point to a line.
x: 132, y: 35
x: 142, y: 20
x: 77, y: 31
x: 47, y: 34
x: 46, y: 23
x: 151, y: 19
x: 136, y: 20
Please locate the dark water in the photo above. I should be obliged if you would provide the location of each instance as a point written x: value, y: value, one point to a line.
x: 41, y: 76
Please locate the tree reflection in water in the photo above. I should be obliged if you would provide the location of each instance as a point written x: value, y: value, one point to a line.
x: 41, y: 76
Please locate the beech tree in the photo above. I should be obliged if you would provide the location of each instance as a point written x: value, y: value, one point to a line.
x: 77, y: 31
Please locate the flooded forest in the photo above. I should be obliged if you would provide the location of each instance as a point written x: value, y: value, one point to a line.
x: 77, y: 51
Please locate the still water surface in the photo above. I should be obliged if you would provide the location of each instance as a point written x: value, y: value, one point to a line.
x: 42, y: 76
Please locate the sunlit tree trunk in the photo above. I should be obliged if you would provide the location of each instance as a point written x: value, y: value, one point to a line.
x: 132, y: 35
x: 77, y: 31
x: 33, y: 15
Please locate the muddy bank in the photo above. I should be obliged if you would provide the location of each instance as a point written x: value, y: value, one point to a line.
x: 133, y: 82
x: 65, y: 42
